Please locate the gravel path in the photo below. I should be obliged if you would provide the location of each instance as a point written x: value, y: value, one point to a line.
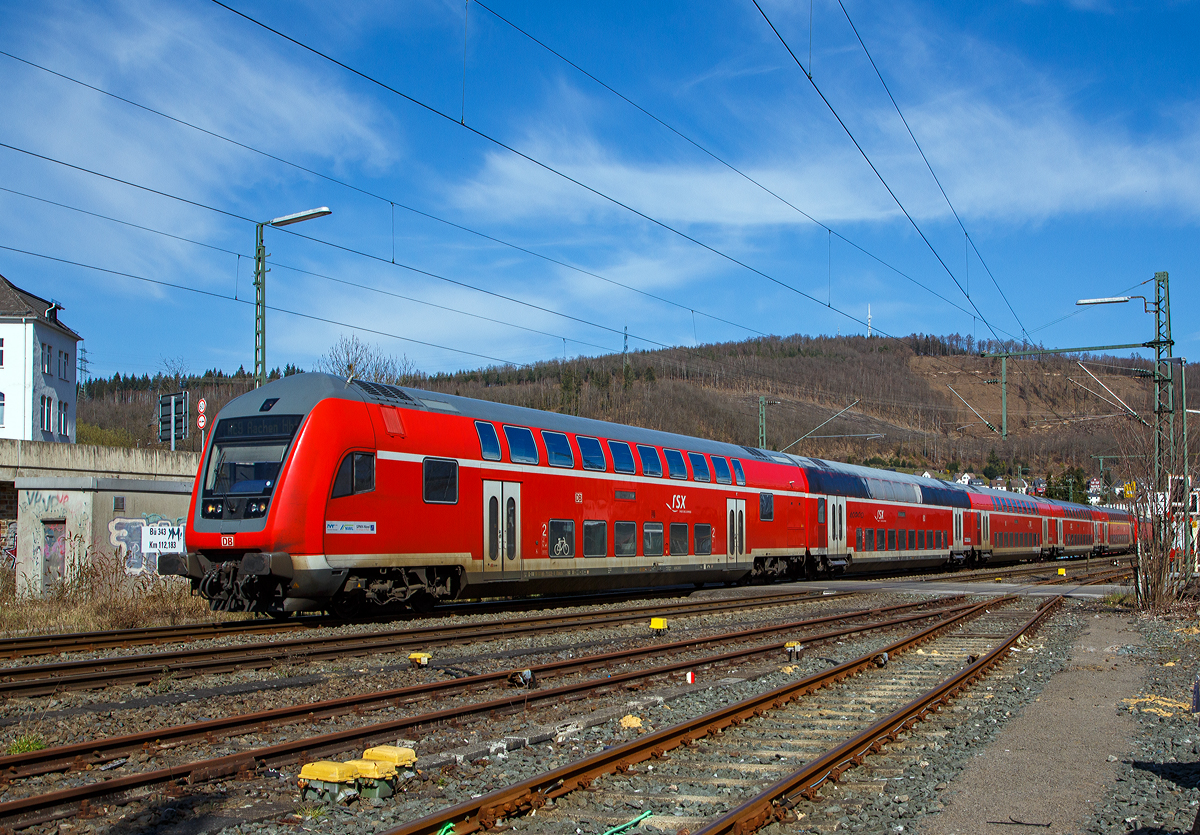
x: 1058, y: 756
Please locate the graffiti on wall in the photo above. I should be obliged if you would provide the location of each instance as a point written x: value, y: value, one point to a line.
x: 125, y: 534
x: 56, y: 532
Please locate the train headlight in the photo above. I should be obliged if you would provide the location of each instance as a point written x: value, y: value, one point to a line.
x: 256, y: 509
x: 212, y: 510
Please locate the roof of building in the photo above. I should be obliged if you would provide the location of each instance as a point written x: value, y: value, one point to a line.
x: 16, y: 303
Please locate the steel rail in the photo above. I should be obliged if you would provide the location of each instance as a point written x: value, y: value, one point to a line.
x: 36, y: 809
x: 775, y: 802
x: 96, y: 752
x: 47, y: 679
x: 483, y: 812
x: 32, y: 645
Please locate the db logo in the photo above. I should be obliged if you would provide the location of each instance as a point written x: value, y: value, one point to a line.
x: 226, y: 541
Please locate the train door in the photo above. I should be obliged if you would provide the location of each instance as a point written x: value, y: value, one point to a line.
x: 501, y: 526
x: 1045, y: 533
x: 735, y: 540
x: 986, y: 532
x: 1104, y: 540
x: 835, y: 525
x: 958, y: 530
x: 1061, y: 541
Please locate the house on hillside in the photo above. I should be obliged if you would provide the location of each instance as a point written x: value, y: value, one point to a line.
x: 37, y: 368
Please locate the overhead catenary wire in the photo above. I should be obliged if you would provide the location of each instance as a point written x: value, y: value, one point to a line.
x: 549, y: 168
x: 921, y: 151
x: 224, y: 297
x: 912, y: 221
x: 552, y: 170
x: 712, y: 155
x: 690, y: 308
x: 394, y: 204
x: 379, y: 259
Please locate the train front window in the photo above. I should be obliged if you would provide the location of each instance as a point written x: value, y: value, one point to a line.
x: 247, y: 454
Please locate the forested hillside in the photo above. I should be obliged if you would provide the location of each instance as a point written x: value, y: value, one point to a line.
x: 1058, y: 415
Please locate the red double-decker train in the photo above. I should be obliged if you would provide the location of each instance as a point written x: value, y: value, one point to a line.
x: 318, y: 493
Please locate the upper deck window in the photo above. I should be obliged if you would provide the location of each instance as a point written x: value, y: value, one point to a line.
x: 521, y: 448
x: 558, y: 449
x: 737, y: 471
x: 489, y: 441
x: 592, y: 453
x: 721, y: 469
x: 651, y: 463
x: 699, y: 466
x: 622, y: 457
x: 675, y: 466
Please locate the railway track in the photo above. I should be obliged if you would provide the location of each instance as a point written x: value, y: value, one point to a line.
x: 84, y: 674
x: 37, y: 808
x: 56, y: 644
x: 747, y: 746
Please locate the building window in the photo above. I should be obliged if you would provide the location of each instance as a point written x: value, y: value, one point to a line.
x: 45, y: 358
x: 63, y: 406
x: 1, y: 352
x: 46, y: 416
x: 1, y: 409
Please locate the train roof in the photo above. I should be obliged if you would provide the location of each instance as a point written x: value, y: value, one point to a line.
x: 298, y: 393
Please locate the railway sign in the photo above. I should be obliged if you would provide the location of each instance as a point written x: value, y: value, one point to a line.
x: 201, y: 405
x: 162, y: 538
x: 172, y: 417
x: 201, y: 420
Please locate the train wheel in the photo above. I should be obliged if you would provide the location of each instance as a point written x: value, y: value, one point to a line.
x: 421, y: 602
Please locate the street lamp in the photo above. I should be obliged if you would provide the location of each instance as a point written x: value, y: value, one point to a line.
x: 260, y: 286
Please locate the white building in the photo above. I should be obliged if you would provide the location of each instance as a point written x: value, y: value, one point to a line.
x: 37, y: 368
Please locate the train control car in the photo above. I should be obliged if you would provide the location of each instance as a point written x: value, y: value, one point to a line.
x: 319, y: 493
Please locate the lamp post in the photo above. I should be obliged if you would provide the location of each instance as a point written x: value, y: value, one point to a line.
x: 260, y: 286
x: 1164, y: 385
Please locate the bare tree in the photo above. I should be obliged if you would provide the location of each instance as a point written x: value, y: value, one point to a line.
x: 1166, y: 555
x: 351, y: 357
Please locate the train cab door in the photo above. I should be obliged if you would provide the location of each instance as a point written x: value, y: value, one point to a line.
x: 958, y: 529
x: 501, y: 526
x: 735, y: 537
x: 835, y: 525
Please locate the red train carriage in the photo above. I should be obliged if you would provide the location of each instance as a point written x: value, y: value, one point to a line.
x: 319, y: 493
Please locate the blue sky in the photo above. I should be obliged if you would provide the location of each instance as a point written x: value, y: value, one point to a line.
x: 1064, y: 133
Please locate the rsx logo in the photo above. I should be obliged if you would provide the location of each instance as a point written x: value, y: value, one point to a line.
x: 677, y: 502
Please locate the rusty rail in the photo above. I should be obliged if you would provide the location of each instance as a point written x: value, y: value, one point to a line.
x: 47, y: 679
x: 775, y: 802
x: 483, y: 812
x: 35, y: 809
x: 33, y: 645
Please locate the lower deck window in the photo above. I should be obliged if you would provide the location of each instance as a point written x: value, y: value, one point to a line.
x: 652, y: 539
x: 625, y: 539
x: 679, y: 539
x: 920, y: 540
x: 858, y: 539
x: 441, y: 480
x: 880, y: 540
x: 703, y: 540
x: 595, y: 539
x: 891, y: 540
x: 561, y: 535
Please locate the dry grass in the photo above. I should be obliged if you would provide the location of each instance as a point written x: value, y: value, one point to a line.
x: 97, y: 595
